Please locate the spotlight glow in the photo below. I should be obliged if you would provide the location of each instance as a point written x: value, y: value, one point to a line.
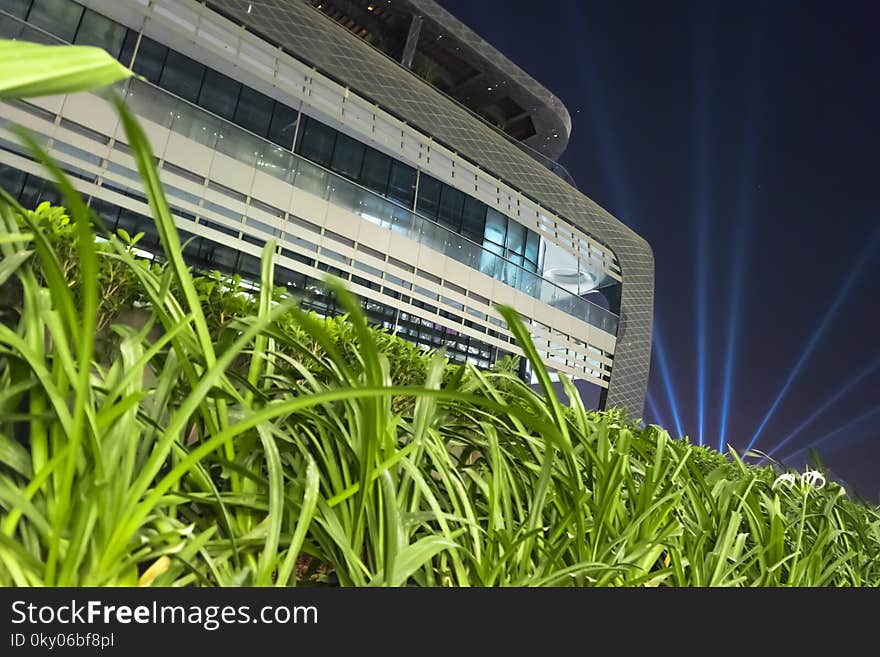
x: 828, y: 404
x: 828, y: 436
x: 652, y: 406
x: 703, y: 54
x: 739, y: 251
x: 830, y: 316
x: 663, y: 367
x: 740, y: 244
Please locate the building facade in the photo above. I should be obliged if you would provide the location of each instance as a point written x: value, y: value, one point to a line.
x: 383, y: 142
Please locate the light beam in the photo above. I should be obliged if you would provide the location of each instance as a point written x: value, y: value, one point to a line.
x: 828, y: 404
x: 828, y: 436
x: 829, y: 317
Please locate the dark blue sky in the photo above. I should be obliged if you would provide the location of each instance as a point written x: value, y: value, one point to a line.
x: 754, y: 129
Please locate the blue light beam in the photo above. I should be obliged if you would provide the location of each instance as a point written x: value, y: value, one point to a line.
x: 660, y: 354
x: 829, y: 317
x: 703, y: 54
x: 828, y: 436
x: 652, y: 406
x: 742, y: 230
x: 613, y: 163
x: 828, y: 404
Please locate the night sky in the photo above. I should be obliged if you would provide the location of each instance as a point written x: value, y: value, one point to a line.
x: 752, y: 129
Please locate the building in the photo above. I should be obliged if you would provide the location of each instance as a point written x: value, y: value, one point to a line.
x: 379, y: 140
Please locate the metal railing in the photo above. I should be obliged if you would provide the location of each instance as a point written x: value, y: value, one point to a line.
x: 201, y: 126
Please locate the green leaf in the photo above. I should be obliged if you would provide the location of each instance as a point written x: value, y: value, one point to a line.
x: 31, y: 69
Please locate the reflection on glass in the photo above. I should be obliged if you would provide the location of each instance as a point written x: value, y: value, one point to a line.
x: 151, y: 103
x: 198, y: 126
x: 276, y: 162
x: 191, y: 122
x: 239, y: 145
x: 311, y: 179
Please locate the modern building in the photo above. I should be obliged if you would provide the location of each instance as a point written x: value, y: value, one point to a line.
x: 382, y: 141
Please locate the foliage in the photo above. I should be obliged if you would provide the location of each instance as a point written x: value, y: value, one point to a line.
x: 228, y: 439
x: 31, y: 69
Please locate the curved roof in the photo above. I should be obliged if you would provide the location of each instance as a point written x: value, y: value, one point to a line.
x: 454, y: 59
x: 550, y: 117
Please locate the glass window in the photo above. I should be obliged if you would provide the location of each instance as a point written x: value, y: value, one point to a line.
x: 283, y: 125
x: 376, y: 170
x: 451, y: 205
x: 219, y: 94
x: 35, y: 191
x: 490, y: 262
x: 496, y: 226
x: 11, y: 179
x: 473, y: 223
x: 97, y: 30
x: 11, y: 28
x: 254, y: 111
x: 18, y: 8
x: 533, y: 245
x: 516, y: 237
x: 58, y: 17
x: 402, y: 184
x: 348, y: 155
x: 150, y: 59
x: 182, y: 76
x: 128, y: 45
x: 108, y: 212
x: 430, y: 189
x: 316, y: 141
x: 134, y: 223
x: 512, y: 273
x: 196, y: 125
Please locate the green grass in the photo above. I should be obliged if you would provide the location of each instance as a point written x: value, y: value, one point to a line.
x: 226, y: 440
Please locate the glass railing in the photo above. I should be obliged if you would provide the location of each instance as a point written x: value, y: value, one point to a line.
x: 180, y: 116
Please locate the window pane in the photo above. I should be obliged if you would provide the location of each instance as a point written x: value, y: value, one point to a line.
x: 219, y: 94
x: 35, y: 191
x: 376, y: 170
x: 533, y: 243
x: 516, y: 237
x: 473, y: 223
x: 496, y: 226
x: 451, y: 205
x: 58, y: 17
x: 316, y: 141
x: 428, y: 202
x: 18, y: 8
x: 283, y: 125
x: 182, y: 76
x: 11, y: 179
x: 254, y: 111
x: 150, y: 59
x: 402, y: 185
x: 11, y: 28
x: 348, y: 155
x: 128, y: 47
x: 107, y: 211
x: 96, y: 30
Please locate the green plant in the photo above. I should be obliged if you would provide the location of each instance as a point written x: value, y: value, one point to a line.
x: 231, y: 438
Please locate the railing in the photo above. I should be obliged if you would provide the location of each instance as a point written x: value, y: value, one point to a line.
x: 181, y: 116
x: 161, y: 107
x: 559, y: 170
